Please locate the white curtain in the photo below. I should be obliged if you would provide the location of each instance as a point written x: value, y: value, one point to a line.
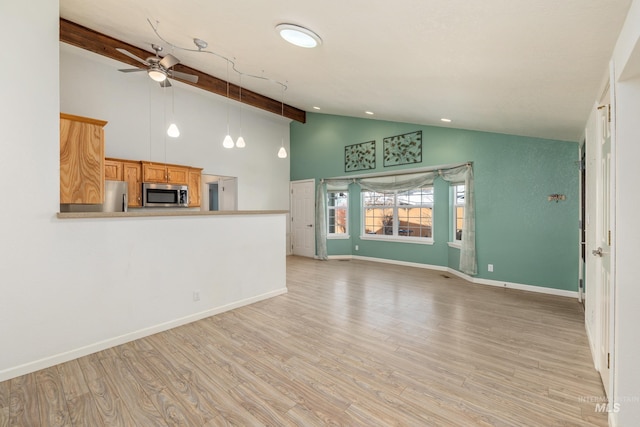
x: 397, y: 182
x: 321, y: 211
x: 468, y: 261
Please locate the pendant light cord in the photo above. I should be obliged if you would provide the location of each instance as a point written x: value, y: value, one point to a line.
x: 227, y: 97
x: 200, y: 50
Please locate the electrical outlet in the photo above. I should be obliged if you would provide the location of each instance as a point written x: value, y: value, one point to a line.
x: 357, y: 247
x: 490, y: 268
x: 196, y: 296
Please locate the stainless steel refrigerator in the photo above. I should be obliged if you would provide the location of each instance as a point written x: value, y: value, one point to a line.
x: 115, y: 200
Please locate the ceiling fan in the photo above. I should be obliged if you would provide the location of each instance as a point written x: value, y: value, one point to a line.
x: 158, y: 68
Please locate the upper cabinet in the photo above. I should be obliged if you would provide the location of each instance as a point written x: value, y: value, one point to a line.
x: 113, y: 170
x: 132, y: 173
x: 129, y: 171
x: 136, y: 172
x: 81, y: 160
x: 195, y: 177
x: 161, y: 172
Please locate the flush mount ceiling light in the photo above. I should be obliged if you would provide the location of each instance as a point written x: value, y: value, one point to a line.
x: 298, y: 35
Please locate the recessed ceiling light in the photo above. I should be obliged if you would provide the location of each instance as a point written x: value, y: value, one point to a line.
x: 369, y: 113
x: 445, y: 120
x: 316, y: 108
x: 298, y: 35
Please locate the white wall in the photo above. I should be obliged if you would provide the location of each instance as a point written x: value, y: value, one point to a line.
x: 138, y: 111
x: 71, y: 287
x: 626, y: 60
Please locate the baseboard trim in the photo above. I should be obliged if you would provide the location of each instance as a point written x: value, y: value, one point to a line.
x: 122, y: 339
x: 476, y: 280
x: 403, y: 263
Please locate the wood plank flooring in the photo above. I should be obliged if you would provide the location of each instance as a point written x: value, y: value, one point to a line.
x: 353, y: 343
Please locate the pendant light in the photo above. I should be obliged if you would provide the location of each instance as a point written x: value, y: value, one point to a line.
x: 240, y: 142
x: 173, y: 130
x: 282, y: 152
x: 228, y: 141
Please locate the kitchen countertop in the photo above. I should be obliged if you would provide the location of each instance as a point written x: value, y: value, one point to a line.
x: 141, y: 213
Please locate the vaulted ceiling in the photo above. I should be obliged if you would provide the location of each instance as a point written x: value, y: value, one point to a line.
x: 521, y: 67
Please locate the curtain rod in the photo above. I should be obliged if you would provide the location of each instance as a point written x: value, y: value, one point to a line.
x: 397, y: 173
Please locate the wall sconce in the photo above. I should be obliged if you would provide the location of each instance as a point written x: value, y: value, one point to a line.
x: 556, y: 197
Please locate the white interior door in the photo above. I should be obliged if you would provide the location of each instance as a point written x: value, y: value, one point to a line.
x: 303, y: 236
x: 228, y: 194
x: 602, y: 253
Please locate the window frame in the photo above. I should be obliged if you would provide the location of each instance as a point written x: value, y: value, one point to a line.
x: 396, y: 236
x: 330, y: 208
x: 454, y: 191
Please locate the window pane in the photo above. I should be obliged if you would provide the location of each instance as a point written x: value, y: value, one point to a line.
x: 378, y: 221
x: 337, y: 212
x: 415, y: 222
x: 418, y: 196
x: 458, y: 219
x: 459, y: 222
x: 459, y: 194
x: 340, y: 221
x: 372, y: 198
x: 337, y: 199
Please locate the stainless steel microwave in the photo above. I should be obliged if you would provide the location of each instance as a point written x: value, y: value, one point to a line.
x: 165, y: 195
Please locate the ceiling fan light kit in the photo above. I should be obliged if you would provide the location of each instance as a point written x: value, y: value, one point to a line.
x: 158, y: 69
x: 299, y: 36
x: 157, y: 74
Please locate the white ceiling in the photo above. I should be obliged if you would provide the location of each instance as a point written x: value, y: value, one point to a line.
x: 524, y: 67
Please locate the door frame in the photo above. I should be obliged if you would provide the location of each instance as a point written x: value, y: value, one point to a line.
x: 290, y: 231
x: 582, y: 221
x: 599, y: 329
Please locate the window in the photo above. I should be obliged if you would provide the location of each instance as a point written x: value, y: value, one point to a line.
x: 398, y: 214
x: 337, y: 214
x: 457, y: 191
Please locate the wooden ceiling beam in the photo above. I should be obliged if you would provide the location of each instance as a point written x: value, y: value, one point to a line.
x: 104, y: 45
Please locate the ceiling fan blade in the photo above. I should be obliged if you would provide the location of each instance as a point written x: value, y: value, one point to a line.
x: 132, y: 56
x: 131, y: 70
x: 184, y: 76
x: 165, y: 83
x: 169, y: 61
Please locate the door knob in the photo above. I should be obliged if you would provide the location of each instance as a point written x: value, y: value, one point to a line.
x: 597, y: 252
x: 309, y: 225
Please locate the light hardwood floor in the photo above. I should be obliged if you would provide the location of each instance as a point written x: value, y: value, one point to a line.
x: 353, y: 343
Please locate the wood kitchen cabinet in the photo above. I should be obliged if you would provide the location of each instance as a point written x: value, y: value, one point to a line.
x: 129, y: 171
x: 81, y: 160
x: 195, y: 191
x: 132, y: 173
x: 165, y: 173
x: 177, y: 174
x: 113, y: 169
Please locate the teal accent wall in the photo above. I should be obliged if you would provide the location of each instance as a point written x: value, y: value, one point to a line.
x: 528, y: 239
